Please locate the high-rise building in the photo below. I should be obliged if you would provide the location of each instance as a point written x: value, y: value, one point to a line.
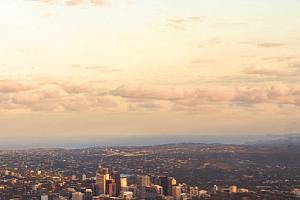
x: 171, y: 182
x: 77, y: 196
x: 88, y: 194
x: 123, y: 182
x: 143, y: 181
x: 102, y: 176
x: 111, y: 188
x: 176, y: 192
x: 163, y: 181
x: 117, y: 177
x: 104, y: 171
x: 100, y: 184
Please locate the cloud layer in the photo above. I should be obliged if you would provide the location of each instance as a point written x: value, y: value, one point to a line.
x: 58, y: 95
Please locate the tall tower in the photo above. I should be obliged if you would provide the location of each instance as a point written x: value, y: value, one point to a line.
x: 171, y: 183
x: 123, y: 182
x: 117, y: 177
x: 111, y: 188
x: 100, y: 184
x: 143, y: 181
x: 176, y: 192
x: 163, y: 181
x: 104, y: 171
x: 102, y: 175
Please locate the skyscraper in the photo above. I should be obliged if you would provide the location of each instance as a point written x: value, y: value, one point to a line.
x: 176, y: 192
x: 102, y: 176
x: 171, y: 183
x: 116, y: 176
x: 163, y: 181
x: 123, y: 182
x: 143, y: 181
x: 105, y: 172
x: 88, y: 194
x: 100, y: 184
x: 111, y: 188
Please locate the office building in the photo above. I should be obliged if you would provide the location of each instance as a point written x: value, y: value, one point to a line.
x: 77, y: 196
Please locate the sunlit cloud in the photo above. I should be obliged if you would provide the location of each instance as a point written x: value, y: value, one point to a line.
x: 76, y: 2
x: 270, y: 44
x: 176, y: 61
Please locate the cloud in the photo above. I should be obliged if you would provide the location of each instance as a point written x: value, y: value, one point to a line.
x: 141, y: 92
x: 282, y: 58
x: 201, y: 61
x: 11, y: 86
x: 54, y: 100
x: 144, y: 106
x: 295, y: 66
x: 270, y: 44
x: 262, y: 72
x: 102, y: 68
x: 76, y: 2
x: 72, y: 88
x: 100, y: 2
x: 28, y: 98
x: 180, y: 23
x: 294, y: 73
x: 99, y: 68
x: 276, y: 94
x: 251, y: 96
x: 178, y: 20
x: 27, y: 50
x: 51, y: 95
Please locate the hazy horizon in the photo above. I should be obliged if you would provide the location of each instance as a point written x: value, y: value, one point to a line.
x: 134, y: 140
x: 109, y: 69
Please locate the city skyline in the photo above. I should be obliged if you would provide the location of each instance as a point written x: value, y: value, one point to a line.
x: 105, y: 68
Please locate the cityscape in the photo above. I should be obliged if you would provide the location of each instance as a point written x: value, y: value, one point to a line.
x: 184, y: 171
x: 149, y: 99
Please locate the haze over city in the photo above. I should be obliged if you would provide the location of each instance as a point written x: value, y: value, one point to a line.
x: 149, y: 99
x: 81, y: 71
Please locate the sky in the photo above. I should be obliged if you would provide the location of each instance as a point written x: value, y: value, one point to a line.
x: 86, y: 69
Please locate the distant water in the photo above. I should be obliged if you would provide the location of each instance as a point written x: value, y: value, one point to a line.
x: 127, y: 141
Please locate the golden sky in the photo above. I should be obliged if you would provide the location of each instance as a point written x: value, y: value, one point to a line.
x: 80, y: 68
